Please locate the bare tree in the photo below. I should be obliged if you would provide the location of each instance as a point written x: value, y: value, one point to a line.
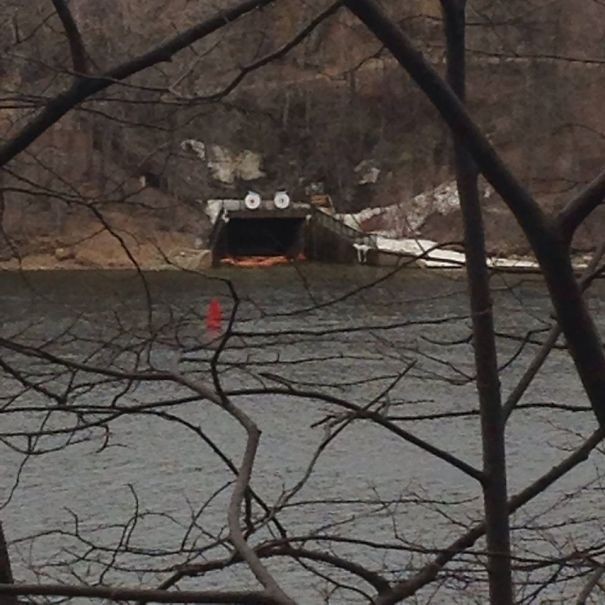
x: 141, y: 358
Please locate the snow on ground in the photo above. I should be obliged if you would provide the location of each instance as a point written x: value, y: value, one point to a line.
x: 406, y: 218
x: 434, y: 257
x: 416, y: 247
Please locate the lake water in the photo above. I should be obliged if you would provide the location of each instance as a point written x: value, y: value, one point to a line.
x: 401, y: 343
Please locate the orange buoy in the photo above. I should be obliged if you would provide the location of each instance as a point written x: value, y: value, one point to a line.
x: 214, y: 316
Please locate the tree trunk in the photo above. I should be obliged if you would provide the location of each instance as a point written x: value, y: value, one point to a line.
x: 486, y: 364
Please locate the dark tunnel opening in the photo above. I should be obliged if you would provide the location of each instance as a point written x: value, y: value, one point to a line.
x: 263, y: 237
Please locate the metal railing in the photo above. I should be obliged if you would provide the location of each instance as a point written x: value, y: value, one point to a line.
x: 341, y: 228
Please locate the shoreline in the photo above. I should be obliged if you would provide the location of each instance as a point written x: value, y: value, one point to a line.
x: 48, y: 264
x: 201, y: 261
x: 183, y: 260
x: 424, y: 255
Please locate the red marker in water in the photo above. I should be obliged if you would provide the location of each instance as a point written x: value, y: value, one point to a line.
x: 214, y: 316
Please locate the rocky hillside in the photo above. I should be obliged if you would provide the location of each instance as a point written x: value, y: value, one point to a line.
x: 335, y: 114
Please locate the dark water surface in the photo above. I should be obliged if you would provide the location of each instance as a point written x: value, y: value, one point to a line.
x: 306, y: 328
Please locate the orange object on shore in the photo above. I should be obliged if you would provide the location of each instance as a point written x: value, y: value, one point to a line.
x: 260, y: 261
x: 214, y: 316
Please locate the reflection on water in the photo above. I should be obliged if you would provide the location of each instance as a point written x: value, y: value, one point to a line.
x: 401, y: 345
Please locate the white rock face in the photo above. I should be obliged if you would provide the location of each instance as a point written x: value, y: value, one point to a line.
x: 196, y: 146
x: 248, y: 165
x: 224, y: 164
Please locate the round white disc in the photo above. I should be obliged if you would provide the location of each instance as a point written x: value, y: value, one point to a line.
x: 252, y: 200
x: 281, y: 200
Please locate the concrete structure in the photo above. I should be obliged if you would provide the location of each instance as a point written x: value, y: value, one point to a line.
x: 239, y: 231
x: 319, y: 235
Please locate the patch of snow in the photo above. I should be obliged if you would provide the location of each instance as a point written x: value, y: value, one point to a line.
x: 513, y: 263
x: 431, y: 254
x: 410, y: 216
x: 441, y: 200
x: 356, y: 220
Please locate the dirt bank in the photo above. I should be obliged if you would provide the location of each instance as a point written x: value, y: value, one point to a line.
x: 105, y: 250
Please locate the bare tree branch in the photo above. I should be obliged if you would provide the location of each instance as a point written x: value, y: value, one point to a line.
x: 83, y: 88
x: 580, y: 207
x: 376, y: 417
x: 551, y: 340
x: 550, y: 248
x: 271, y: 57
x: 76, y: 44
x: 429, y: 572
x: 591, y: 584
x: 241, y: 487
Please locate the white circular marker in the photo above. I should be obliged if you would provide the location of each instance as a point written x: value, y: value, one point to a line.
x: 281, y: 200
x: 252, y: 201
